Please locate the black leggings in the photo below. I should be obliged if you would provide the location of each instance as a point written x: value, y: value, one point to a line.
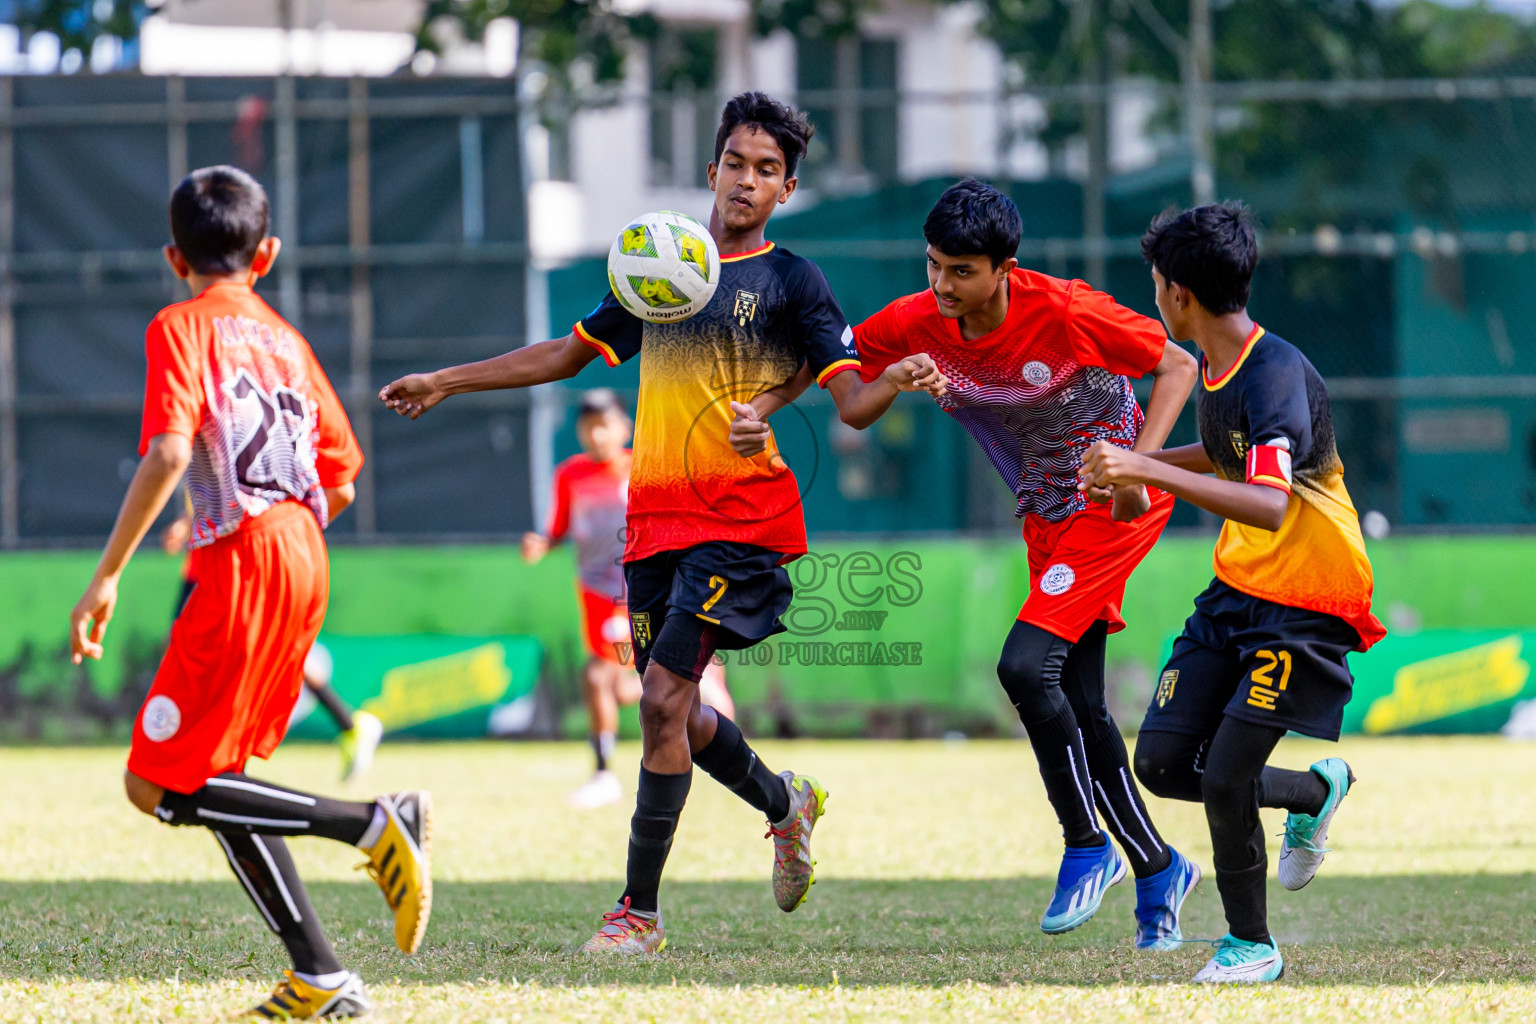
x: 1058, y: 690
x: 1227, y: 772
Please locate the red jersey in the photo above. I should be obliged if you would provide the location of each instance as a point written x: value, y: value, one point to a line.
x: 590, y: 501
x: 1039, y: 390
x: 230, y: 374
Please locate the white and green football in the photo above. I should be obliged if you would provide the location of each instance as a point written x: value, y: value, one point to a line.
x: 664, y: 266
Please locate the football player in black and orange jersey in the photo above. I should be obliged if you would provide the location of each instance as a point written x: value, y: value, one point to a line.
x: 1264, y: 651
x: 708, y: 530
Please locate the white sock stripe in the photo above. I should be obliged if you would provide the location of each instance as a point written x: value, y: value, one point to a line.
x: 229, y: 853
x: 1130, y: 794
x: 251, y: 787
x: 1078, y: 782
x: 241, y: 819
x: 277, y: 876
x: 1109, y: 809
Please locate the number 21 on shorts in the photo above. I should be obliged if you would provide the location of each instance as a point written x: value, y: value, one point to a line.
x: 1265, y: 689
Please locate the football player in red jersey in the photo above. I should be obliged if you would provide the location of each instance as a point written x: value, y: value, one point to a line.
x: 1037, y: 370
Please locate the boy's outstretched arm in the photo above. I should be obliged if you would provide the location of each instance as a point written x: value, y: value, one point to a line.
x: 153, y: 484
x: 546, y: 361
x: 1250, y: 504
x: 858, y: 404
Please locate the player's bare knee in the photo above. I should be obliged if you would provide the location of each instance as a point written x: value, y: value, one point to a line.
x: 664, y: 705
x: 142, y: 793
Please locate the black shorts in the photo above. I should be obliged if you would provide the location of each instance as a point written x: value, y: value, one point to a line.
x: 1256, y: 661
x: 725, y: 596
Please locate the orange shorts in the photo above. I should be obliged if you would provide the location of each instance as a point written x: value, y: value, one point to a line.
x: 229, y: 679
x: 1078, y: 567
x: 605, y: 625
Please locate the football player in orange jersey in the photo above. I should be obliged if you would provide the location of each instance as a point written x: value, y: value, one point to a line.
x: 235, y: 400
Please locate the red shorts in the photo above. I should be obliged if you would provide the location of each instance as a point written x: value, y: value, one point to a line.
x: 1078, y: 567
x: 229, y: 679
x: 605, y: 625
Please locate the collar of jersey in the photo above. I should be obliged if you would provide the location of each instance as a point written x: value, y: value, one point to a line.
x: 1242, y: 357
x: 733, y: 257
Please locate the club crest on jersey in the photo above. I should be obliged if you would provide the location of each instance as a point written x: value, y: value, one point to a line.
x: 161, y: 718
x: 1058, y: 579
x: 1036, y: 373
x: 1239, y: 443
x: 1165, y: 686
x: 745, y: 308
x: 640, y: 627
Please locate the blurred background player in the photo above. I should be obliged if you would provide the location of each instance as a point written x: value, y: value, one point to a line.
x: 591, y: 492
x: 1265, y: 650
x: 358, y: 733
x: 235, y: 400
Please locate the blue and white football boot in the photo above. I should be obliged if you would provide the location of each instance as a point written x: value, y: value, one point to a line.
x: 1085, y: 876
x: 1159, y: 898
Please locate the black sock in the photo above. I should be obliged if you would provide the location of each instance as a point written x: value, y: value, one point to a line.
x: 266, y: 872
x: 1243, y: 900
x: 1119, y: 801
x: 339, y: 710
x: 1230, y: 786
x: 602, y: 748
x: 1064, y: 770
x: 233, y: 802
x: 1302, y: 792
x: 731, y: 762
x: 659, y: 803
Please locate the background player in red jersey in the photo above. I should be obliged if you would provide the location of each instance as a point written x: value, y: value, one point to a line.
x: 235, y: 400
x: 708, y: 531
x: 1036, y: 370
x: 591, y: 493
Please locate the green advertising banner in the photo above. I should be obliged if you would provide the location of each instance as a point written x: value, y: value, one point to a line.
x: 431, y: 686
x: 1445, y: 681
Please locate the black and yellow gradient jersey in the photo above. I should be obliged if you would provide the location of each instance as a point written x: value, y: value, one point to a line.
x: 772, y: 312
x: 1267, y: 421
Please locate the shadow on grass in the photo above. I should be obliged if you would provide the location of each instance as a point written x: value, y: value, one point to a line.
x: 1345, y: 930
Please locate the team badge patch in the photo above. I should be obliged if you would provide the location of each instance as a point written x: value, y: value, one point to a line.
x: 640, y: 627
x: 1165, y: 686
x: 1239, y: 443
x: 745, y: 308
x: 1058, y: 579
x: 161, y: 718
x: 1036, y: 373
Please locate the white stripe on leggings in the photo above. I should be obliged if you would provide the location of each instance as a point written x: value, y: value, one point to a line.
x: 249, y: 888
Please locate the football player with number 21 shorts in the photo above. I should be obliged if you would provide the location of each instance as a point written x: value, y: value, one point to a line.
x: 235, y: 399
x: 709, y: 531
x: 1036, y: 371
x: 1265, y: 650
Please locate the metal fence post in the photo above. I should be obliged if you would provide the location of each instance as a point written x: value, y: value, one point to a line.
x: 1197, y: 102
x: 176, y: 128
x: 10, y: 470
x: 359, y: 238
x: 286, y: 130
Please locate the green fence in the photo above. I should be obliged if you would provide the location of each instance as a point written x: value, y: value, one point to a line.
x: 887, y: 638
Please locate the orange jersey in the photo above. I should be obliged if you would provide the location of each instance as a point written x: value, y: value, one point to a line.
x: 771, y: 313
x: 590, y: 500
x: 231, y: 375
x: 1266, y: 421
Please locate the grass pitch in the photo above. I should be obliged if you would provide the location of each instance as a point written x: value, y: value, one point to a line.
x: 935, y: 862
